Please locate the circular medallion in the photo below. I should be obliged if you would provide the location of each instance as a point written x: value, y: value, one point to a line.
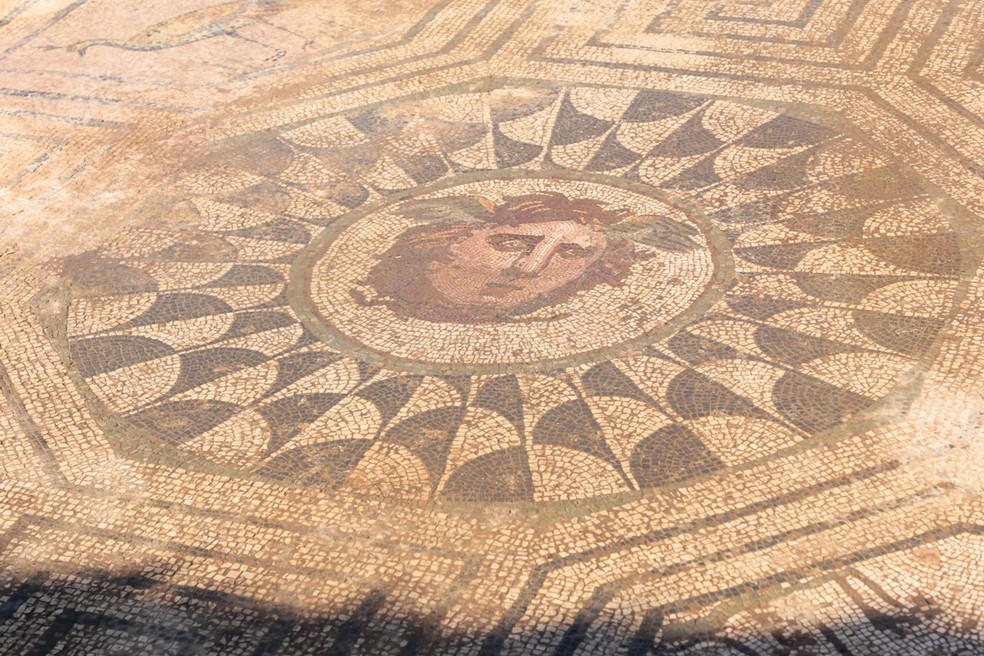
x: 508, y: 275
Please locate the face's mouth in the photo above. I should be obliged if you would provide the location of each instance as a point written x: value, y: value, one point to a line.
x: 499, y: 289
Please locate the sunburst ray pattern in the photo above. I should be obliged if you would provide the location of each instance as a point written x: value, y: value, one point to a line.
x: 842, y: 263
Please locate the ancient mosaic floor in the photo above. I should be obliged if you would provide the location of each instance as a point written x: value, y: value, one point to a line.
x: 492, y: 327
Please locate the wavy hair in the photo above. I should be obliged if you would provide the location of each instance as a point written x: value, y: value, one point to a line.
x: 397, y: 276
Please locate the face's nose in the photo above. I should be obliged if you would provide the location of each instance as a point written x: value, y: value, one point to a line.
x: 529, y: 265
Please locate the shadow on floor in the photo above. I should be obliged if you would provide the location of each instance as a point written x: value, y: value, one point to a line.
x: 92, y: 612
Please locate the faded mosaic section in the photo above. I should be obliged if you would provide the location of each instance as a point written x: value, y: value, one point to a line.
x: 257, y: 340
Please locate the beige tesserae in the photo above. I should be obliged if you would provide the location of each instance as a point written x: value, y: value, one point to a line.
x: 491, y: 327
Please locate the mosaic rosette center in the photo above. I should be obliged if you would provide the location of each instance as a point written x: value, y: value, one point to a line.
x: 507, y: 275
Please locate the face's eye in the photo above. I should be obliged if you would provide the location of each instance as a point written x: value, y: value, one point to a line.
x: 512, y: 243
x: 574, y: 251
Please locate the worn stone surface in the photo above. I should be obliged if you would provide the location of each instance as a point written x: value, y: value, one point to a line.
x: 491, y: 327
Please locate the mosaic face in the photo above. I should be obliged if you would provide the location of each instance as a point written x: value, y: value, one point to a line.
x: 509, y: 267
x: 521, y: 255
x: 500, y: 268
x: 528, y: 252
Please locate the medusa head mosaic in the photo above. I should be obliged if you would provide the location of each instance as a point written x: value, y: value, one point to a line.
x: 513, y: 294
